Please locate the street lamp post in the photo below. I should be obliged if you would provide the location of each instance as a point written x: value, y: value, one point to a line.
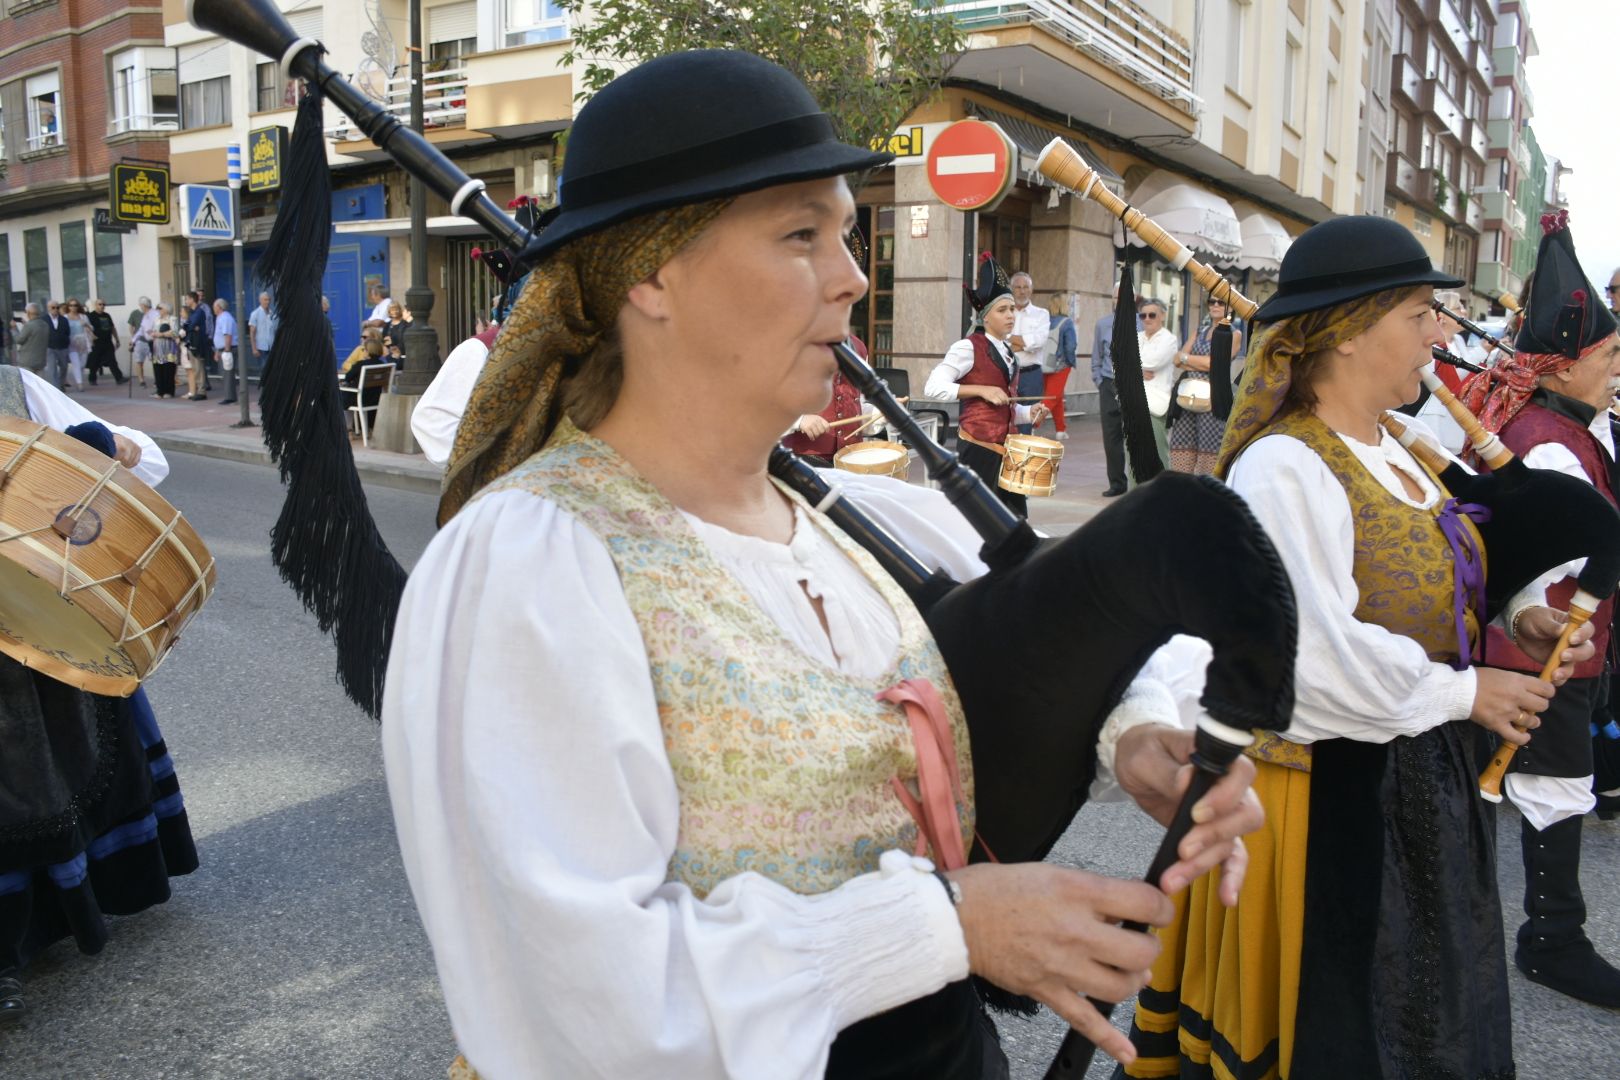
x: 421, y: 340
x: 233, y: 177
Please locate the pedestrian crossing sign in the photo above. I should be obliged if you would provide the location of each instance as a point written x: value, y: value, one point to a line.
x: 207, y: 212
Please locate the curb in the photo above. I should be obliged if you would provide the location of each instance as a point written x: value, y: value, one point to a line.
x: 407, y: 475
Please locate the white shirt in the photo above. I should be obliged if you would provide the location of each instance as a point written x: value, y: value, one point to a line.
x: 537, y: 810
x: 1438, y: 419
x: 49, y: 406
x: 1158, y: 359
x: 380, y: 312
x: 1032, y: 323
x: 438, y: 413
x: 942, y: 381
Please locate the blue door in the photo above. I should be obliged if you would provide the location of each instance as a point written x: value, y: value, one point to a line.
x: 341, y: 284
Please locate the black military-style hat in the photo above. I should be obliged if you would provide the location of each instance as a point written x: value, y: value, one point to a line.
x: 1563, y: 315
x: 1346, y: 258
x: 992, y: 284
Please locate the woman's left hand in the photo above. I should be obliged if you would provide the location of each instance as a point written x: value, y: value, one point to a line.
x: 1151, y: 764
x: 1538, y: 629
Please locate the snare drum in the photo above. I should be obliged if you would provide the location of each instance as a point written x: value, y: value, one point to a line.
x: 98, y: 572
x: 1030, y: 466
x: 875, y: 457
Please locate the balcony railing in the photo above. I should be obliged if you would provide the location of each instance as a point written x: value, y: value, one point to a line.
x: 1407, y: 79
x: 444, y: 103
x: 1478, y: 141
x: 144, y: 122
x: 43, y: 140
x: 1438, y: 102
x: 1474, y: 214
x: 1116, y: 33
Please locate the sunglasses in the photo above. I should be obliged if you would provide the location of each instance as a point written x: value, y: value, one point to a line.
x: 1152, y: 315
x: 1611, y: 288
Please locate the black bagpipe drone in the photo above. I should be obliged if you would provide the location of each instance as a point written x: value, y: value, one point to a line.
x: 1103, y: 599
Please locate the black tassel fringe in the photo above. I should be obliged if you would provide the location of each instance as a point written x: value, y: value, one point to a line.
x: 1220, y: 371
x: 325, y: 543
x: 1140, y: 445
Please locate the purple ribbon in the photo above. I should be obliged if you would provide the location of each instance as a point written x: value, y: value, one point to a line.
x: 1468, y: 582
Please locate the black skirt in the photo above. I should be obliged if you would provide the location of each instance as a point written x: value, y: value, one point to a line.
x: 1403, y: 974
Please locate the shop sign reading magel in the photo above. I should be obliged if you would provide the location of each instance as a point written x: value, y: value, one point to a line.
x: 140, y: 193
x: 267, y: 149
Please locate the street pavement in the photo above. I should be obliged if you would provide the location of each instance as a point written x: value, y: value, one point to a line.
x: 294, y: 951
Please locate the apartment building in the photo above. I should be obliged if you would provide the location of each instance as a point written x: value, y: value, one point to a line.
x: 495, y: 93
x: 83, y: 85
x: 1515, y: 187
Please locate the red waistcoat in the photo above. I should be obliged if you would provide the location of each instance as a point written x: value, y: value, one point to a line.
x: 846, y: 402
x: 1532, y: 426
x: 980, y: 419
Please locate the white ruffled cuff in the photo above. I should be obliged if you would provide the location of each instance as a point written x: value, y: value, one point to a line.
x: 1146, y: 701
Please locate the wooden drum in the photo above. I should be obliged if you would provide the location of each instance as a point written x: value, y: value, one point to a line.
x: 1030, y: 466
x: 98, y: 572
x: 876, y: 457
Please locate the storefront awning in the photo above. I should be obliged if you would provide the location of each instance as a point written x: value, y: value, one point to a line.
x: 1265, y: 241
x: 1031, y: 139
x: 447, y: 225
x: 1199, y: 218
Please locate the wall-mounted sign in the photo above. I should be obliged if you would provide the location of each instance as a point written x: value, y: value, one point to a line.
x: 140, y: 193
x: 102, y: 221
x: 267, y: 149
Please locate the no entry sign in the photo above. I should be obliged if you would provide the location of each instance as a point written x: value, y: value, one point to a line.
x: 970, y: 165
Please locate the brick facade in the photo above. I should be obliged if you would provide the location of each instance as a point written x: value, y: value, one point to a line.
x: 78, y: 38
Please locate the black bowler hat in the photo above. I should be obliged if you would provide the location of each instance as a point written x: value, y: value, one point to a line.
x: 689, y: 127
x: 1346, y: 258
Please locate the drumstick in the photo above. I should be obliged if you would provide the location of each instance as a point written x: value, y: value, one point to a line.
x: 863, y: 418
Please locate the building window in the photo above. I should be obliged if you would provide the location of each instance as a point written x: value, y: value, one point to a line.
x: 145, y: 92
x: 1389, y: 207
x: 1291, y: 75
x: 37, y: 265
x: 1424, y: 224
x: 1330, y: 121
x: 110, y: 267
x: 206, y: 102
x: 272, y: 91
x: 75, y: 261
x: 1237, y: 33
x: 7, y: 305
x: 530, y: 22
x: 44, y: 93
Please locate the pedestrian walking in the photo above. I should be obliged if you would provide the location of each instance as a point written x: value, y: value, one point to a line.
x: 145, y: 333
x: 103, y: 344
x: 33, y: 338
x: 78, y: 340
x: 57, y: 345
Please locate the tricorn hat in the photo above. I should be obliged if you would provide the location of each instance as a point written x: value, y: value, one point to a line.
x: 1346, y: 258
x: 689, y: 127
x: 1564, y: 316
x: 991, y: 286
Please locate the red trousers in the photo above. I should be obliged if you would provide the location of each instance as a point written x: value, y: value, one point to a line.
x: 1055, y: 381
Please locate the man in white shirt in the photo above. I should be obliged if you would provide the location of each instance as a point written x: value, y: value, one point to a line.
x: 225, y: 346
x: 379, y: 306
x: 1031, y: 324
x: 1158, y: 347
x: 437, y: 416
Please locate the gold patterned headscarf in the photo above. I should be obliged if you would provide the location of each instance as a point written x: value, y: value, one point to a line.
x: 572, y: 300
x: 1268, y: 370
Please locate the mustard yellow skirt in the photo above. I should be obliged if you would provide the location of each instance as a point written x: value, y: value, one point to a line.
x: 1225, y: 990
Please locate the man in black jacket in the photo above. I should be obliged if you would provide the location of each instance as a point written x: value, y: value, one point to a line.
x: 56, y: 346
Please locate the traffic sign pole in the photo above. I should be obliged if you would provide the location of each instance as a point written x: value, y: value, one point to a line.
x: 233, y: 169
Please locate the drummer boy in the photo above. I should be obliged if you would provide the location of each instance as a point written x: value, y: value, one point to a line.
x: 980, y: 371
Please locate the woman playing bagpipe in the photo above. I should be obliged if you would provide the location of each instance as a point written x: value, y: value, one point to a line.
x: 981, y: 372
x: 92, y: 822
x: 1549, y: 404
x: 663, y: 746
x: 1367, y: 939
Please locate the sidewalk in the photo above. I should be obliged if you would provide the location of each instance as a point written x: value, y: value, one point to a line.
x: 205, y: 428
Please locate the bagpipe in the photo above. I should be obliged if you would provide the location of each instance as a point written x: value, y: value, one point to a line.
x: 1103, y: 599
x: 1537, y: 519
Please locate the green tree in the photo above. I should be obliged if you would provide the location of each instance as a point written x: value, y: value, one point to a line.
x: 869, y: 64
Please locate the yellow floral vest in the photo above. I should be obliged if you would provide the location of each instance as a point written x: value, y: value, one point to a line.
x: 1403, y: 566
x: 783, y: 765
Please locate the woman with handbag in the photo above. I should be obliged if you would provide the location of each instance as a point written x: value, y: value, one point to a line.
x: 1195, y: 436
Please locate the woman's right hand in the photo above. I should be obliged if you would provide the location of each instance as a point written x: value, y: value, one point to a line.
x: 1053, y: 933
x: 994, y: 395
x: 1507, y: 702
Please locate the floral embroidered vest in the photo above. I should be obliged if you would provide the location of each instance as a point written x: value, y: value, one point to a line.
x: 1403, y: 565
x: 783, y: 765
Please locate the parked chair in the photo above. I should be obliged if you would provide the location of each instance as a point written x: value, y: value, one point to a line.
x: 378, y: 378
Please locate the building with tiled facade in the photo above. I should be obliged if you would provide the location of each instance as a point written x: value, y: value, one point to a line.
x: 83, y: 84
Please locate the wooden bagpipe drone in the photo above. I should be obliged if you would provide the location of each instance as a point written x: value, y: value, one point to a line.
x: 1104, y: 598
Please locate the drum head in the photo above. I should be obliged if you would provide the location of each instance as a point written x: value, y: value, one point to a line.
x: 80, y: 653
